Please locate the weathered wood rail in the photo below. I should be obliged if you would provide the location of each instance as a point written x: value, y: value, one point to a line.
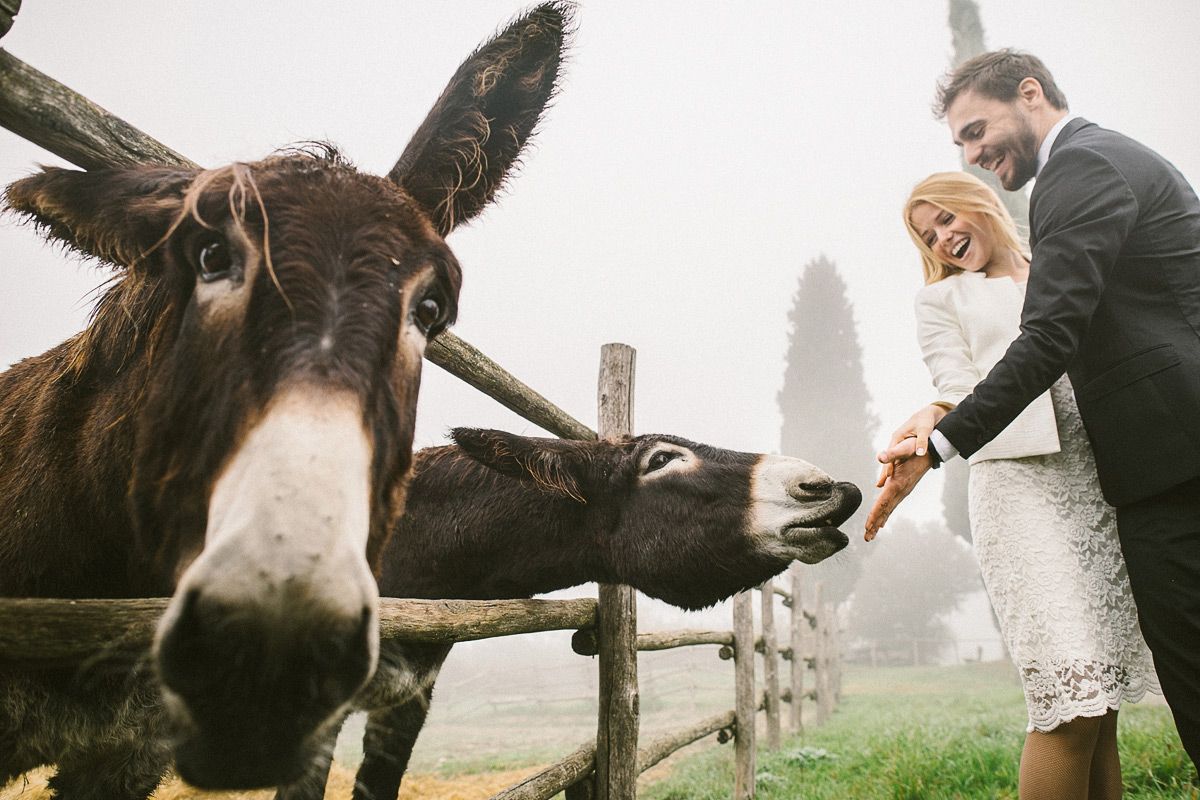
x: 584, y: 642
x: 37, y: 631
x: 64, y: 122
x: 34, y: 630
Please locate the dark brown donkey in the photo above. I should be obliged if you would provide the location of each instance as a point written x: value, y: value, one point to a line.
x: 233, y: 427
x: 505, y: 516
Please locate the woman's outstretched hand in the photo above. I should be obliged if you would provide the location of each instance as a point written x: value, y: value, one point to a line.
x: 901, y: 479
x: 905, y: 462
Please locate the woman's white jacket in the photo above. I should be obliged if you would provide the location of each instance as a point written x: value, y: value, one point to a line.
x: 964, y: 324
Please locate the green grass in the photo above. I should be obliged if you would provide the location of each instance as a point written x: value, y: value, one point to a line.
x: 926, y: 734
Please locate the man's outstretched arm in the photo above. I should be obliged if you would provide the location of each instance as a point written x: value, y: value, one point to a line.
x: 1083, y: 213
x: 1081, y: 234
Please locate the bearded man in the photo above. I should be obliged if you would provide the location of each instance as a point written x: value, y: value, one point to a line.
x: 1113, y: 300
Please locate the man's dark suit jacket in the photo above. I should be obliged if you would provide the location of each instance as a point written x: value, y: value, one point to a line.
x: 1113, y: 300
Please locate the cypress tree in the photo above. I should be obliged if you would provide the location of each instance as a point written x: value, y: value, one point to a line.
x: 825, y: 404
x: 967, y: 37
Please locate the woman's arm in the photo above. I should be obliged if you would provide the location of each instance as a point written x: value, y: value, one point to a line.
x: 947, y: 354
x: 944, y: 346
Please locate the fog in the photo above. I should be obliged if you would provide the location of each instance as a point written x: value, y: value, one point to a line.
x: 697, y: 156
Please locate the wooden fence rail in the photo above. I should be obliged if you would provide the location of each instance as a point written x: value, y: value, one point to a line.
x: 45, y: 112
x: 48, y: 630
x: 66, y: 123
x: 584, y: 641
x: 37, y: 631
x: 465, y: 362
x: 568, y: 773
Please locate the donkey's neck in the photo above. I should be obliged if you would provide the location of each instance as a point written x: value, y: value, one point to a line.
x: 67, y: 421
x: 468, y: 532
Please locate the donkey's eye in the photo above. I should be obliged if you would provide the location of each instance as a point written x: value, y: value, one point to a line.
x: 661, y: 459
x: 213, y: 260
x: 430, y: 316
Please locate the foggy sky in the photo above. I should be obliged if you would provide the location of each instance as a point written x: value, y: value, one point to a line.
x: 697, y: 156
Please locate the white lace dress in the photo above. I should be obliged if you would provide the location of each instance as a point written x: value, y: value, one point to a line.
x: 1052, y: 565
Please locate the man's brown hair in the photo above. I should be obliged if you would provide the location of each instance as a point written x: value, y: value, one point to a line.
x: 997, y: 75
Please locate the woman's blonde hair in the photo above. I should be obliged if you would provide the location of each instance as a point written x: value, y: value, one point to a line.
x: 959, y: 192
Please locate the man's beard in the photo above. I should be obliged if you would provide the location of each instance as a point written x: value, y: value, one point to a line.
x: 1021, y: 149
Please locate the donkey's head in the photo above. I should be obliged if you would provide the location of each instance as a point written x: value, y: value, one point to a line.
x: 271, y: 319
x: 684, y: 522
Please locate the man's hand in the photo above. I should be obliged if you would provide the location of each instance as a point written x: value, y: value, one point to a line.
x: 917, y: 428
x: 897, y: 485
x: 901, y: 451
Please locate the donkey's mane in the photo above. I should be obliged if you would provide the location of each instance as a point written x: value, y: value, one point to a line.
x: 129, y: 314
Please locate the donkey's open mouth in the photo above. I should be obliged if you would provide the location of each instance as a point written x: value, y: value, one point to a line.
x: 813, y: 545
x: 814, y: 534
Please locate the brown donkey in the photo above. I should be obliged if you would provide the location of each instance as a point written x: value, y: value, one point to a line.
x: 234, y: 426
x: 506, y: 516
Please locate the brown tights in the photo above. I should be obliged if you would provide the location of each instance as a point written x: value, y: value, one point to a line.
x: 1076, y: 761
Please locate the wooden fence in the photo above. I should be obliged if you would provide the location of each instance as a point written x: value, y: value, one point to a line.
x: 40, y: 631
x: 812, y: 644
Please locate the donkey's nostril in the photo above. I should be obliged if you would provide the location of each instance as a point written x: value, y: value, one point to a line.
x: 812, y: 490
x: 186, y: 661
x: 187, y: 614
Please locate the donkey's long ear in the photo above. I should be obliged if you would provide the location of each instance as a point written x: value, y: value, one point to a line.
x: 471, y: 140
x: 115, y: 215
x: 546, y: 462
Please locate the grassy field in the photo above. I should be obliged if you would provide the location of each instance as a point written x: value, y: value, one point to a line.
x: 927, y: 734
x: 938, y: 733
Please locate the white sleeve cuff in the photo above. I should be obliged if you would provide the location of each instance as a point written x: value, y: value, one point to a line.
x: 939, y: 442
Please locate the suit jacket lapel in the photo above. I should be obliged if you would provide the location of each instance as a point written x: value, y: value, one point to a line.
x: 1066, y: 133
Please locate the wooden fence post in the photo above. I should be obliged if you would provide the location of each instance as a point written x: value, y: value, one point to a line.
x: 822, y: 684
x: 828, y: 681
x: 617, y: 729
x: 770, y: 662
x: 799, y: 655
x: 835, y: 655
x: 746, y: 705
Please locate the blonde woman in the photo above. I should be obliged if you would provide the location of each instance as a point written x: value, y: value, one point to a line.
x: 1045, y: 539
